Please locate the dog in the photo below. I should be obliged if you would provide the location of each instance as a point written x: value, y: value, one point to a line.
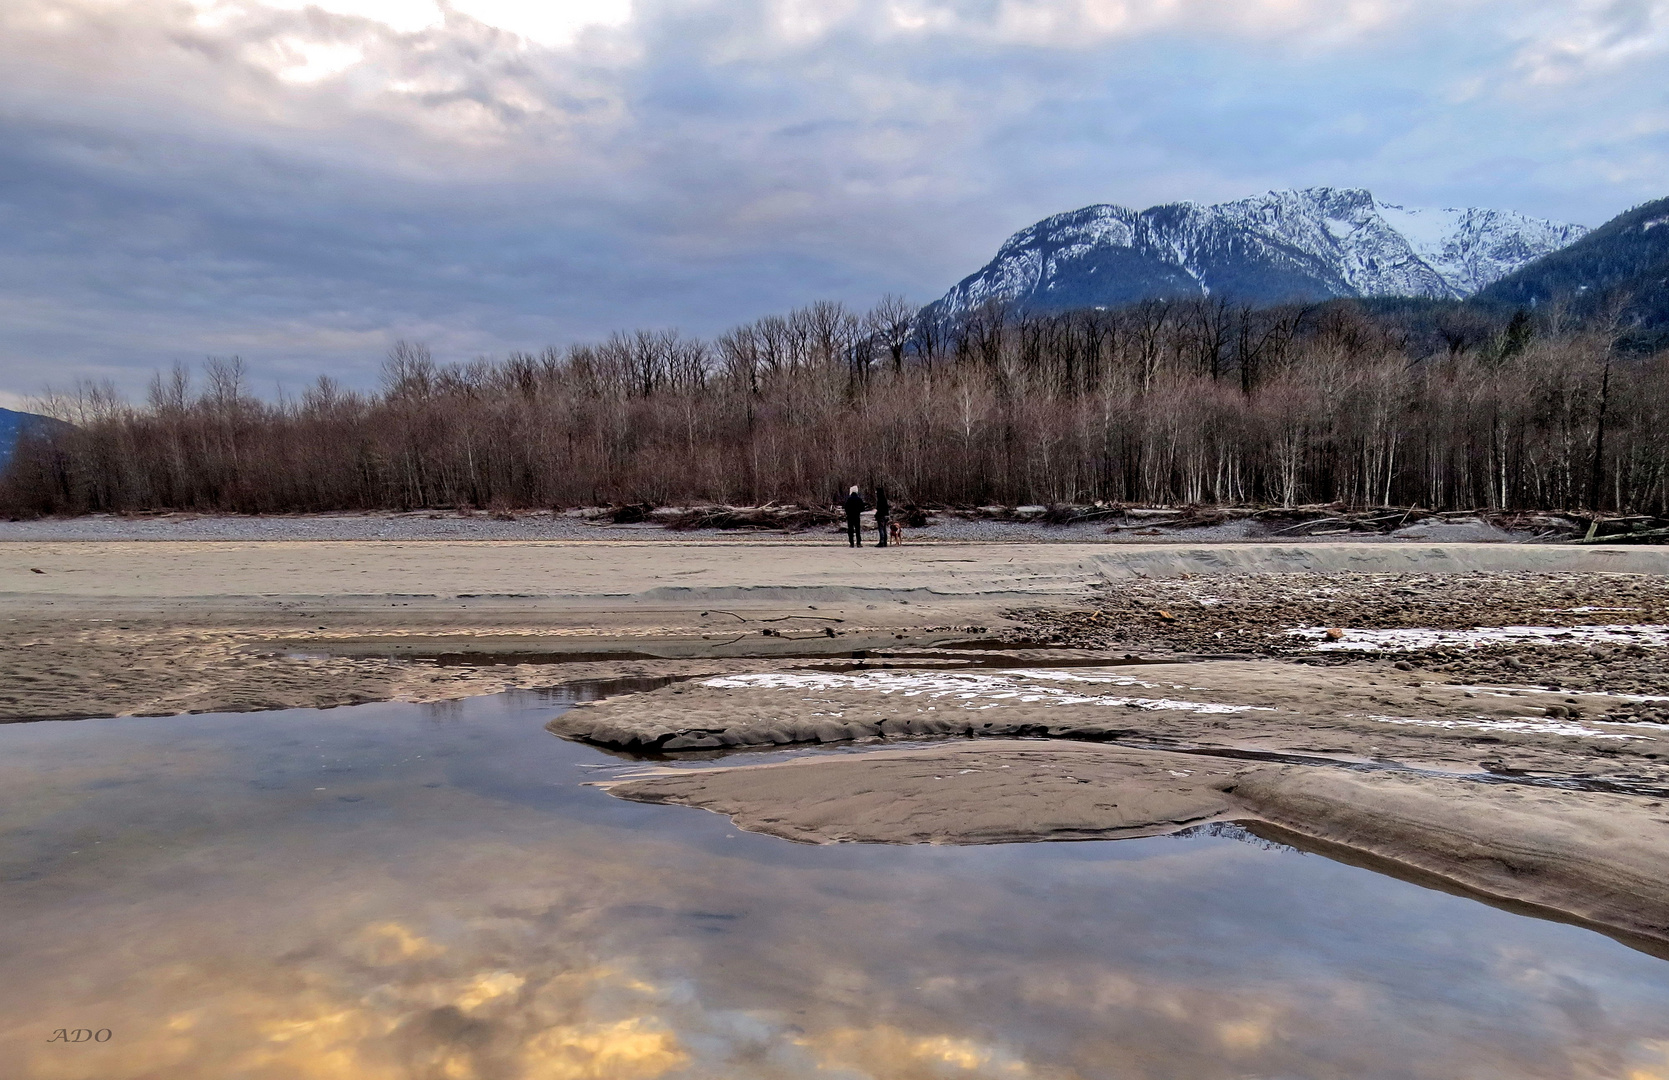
x: 895, y: 532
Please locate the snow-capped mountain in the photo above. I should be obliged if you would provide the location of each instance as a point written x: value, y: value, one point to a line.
x: 1474, y: 248
x: 1286, y: 245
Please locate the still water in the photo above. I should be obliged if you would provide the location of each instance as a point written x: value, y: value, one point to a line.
x: 404, y: 891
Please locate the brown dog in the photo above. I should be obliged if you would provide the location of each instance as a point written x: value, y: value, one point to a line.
x: 895, y: 532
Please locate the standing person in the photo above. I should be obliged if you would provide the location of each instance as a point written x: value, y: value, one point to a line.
x: 883, y: 514
x: 854, y: 507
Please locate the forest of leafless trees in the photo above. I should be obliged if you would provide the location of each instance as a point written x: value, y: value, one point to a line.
x: 1165, y: 403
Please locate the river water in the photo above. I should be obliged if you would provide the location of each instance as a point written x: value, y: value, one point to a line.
x: 406, y: 891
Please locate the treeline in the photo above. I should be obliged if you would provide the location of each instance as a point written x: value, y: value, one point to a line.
x: 1161, y: 403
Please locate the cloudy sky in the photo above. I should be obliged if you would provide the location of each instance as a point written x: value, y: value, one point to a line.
x: 301, y: 184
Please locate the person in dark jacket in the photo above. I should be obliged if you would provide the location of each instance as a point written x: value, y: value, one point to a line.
x: 883, y: 514
x: 854, y: 507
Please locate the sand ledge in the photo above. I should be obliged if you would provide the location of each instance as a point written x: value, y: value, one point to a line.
x: 1592, y: 857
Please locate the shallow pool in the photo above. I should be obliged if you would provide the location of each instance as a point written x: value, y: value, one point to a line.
x: 432, y: 892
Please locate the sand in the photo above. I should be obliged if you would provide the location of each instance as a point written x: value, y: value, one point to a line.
x: 98, y: 629
x: 1365, y: 712
x: 1062, y: 661
x: 998, y: 791
x: 445, y: 575
x: 117, y: 628
x: 1598, y: 859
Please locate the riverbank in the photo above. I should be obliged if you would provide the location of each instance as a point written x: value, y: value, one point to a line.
x: 1491, y: 715
x: 1025, y: 525
x: 115, y: 628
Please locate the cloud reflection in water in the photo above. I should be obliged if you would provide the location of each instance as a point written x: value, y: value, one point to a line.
x: 475, y: 914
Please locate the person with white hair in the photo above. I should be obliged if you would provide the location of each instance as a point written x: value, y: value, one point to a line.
x: 854, y: 506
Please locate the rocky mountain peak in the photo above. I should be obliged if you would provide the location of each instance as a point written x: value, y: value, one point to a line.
x: 1312, y: 243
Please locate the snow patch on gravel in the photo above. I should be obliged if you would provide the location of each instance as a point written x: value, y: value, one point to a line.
x: 974, y: 691
x: 1587, y: 610
x: 1514, y: 691
x: 1524, y: 724
x: 1410, y: 640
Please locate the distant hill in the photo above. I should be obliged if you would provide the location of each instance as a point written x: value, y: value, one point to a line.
x: 14, y: 424
x: 1624, y: 261
x: 1313, y: 244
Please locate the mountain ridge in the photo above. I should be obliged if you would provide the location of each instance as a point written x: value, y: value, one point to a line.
x: 14, y: 425
x: 1620, y: 270
x: 1314, y: 243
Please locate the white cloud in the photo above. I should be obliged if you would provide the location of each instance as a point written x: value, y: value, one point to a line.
x: 546, y: 22
x: 300, y: 181
x: 298, y: 60
x: 403, y: 16
x: 1077, y: 24
x: 1571, y: 43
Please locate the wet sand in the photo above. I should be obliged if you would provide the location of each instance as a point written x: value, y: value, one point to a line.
x: 1595, y: 858
x: 96, y: 628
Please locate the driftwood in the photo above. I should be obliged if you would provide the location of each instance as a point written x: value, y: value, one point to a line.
x: 769, y: 516
x: 1319, y: 519
x: 1626, y: 530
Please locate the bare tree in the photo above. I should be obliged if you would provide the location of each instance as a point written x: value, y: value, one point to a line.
x: 1332, y: 404
x: 889, y: 324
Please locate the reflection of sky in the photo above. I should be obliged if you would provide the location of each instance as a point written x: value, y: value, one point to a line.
x: 301, y: 183
x: 453, y: 904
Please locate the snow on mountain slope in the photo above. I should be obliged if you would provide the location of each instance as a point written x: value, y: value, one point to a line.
x: 1475, y: 248
x: 1283, y: 245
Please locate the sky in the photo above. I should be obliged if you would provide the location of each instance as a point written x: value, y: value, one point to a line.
x: 300, y: 185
